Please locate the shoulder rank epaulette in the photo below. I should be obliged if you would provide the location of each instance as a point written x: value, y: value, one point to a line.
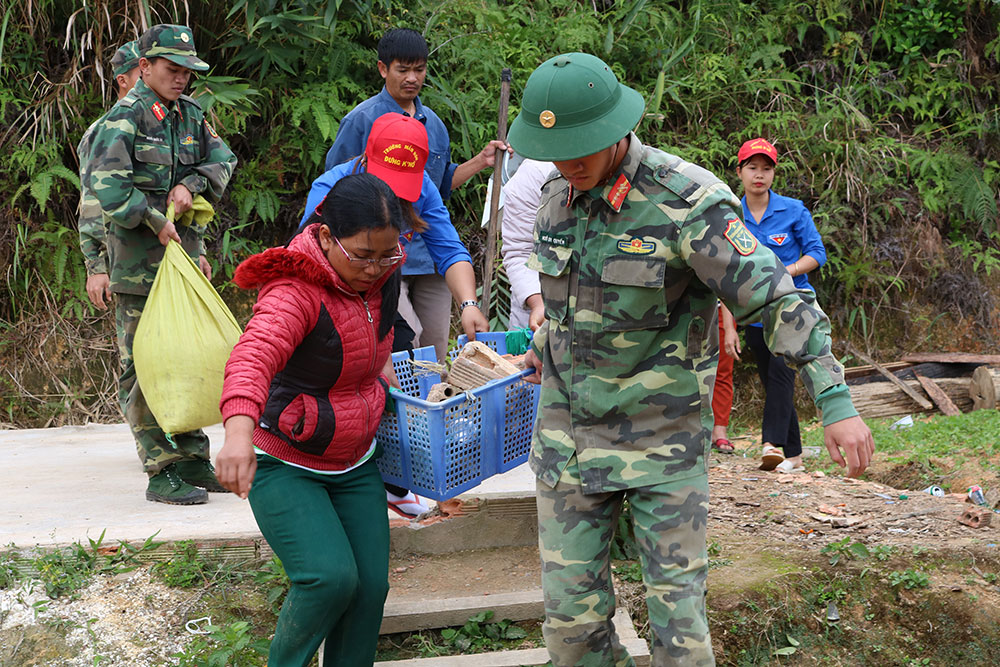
x: 686, y: 180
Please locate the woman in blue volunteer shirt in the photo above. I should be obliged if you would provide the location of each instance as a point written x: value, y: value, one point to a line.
x: 785, y: 226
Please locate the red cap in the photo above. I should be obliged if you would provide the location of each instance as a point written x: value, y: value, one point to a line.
x: 758, y: 146
x: 397, y: 152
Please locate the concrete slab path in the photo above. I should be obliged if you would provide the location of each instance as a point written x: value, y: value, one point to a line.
x: 64, y: 485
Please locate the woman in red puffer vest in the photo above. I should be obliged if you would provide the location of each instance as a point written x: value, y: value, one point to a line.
x: 302, y: 399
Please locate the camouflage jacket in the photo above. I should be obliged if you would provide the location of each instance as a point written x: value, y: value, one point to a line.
x: 91, y: 222
x: 630, y: 275
x: 139, y: 151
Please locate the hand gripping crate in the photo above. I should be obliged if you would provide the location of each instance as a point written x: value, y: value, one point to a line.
x: 439, y: 450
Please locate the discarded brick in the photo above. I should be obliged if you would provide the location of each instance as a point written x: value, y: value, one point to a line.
x: 481, y: 354
x: 476, y: 365
x: 442, y: 391
x: 976, y: 517
x: 467, y: 374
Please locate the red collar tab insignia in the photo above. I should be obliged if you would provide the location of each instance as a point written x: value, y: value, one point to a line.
x: 159, y: 111
x: 744, y: 242
x: 636, y: 246
x: 778, y: 239
x: 569, y: 197
x: 211, y: 130
x: 408, y: 236
x: 616, y: 196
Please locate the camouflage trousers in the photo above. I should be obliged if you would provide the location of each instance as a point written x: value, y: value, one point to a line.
x: 574, y: 536
x: 154, y: 449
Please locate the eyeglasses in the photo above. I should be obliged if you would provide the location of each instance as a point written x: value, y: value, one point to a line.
x: 365, y: 263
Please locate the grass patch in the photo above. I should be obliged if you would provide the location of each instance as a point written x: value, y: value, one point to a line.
x: 889, y: 614
x: 480, y: 634
x: 65, y: 571
x: 931, y: 449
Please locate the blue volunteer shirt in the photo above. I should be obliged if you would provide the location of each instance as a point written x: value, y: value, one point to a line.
x: 788, y: 230
x: 442, y: 245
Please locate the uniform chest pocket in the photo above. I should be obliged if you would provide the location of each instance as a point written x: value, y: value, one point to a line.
x: 633, y: 293
x: 552, y: 263
x: 153, y: 164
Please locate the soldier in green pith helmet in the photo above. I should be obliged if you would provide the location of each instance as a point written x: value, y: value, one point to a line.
x: 154, y: 148
x: 634, y: 247
x: 125, y: 68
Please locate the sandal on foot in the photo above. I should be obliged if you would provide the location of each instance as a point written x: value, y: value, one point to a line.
x: 787, y: 466
x: 723, y: 446
x: 409, y: 506
x: 772, y: 457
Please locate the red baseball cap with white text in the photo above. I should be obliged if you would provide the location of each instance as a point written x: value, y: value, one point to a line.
x: 758, y: 146
x: 397, y: 152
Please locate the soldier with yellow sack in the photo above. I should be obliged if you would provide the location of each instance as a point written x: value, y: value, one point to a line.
x: 634, y: 247
x: 154, y: 150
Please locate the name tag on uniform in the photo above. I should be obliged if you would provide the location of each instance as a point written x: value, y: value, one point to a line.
x: 551, y: 240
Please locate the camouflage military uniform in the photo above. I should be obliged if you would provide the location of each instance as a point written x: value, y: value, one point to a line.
x: 629, y: 275
x: 91, y: 222
x: 140, y: 150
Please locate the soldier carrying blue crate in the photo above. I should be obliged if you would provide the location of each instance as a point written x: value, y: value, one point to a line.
x: 634, y: 247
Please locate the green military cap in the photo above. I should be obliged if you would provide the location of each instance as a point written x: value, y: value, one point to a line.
x: 173, y: 42
x: 126, y: 58
x: 573, y: 106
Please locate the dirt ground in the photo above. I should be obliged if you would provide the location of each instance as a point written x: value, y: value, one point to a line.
x: 764, y: 528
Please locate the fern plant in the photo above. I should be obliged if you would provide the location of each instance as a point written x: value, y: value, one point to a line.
x: 978, y: 199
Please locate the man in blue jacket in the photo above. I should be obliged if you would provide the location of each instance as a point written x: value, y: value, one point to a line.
x: 425, y: 298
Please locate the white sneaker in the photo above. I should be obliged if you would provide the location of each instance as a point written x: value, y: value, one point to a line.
x: 409, y: 506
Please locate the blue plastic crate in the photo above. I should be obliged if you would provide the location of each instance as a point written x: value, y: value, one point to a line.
x: 439, y: 450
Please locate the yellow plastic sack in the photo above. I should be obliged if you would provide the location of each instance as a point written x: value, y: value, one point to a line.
x: 181, y: 345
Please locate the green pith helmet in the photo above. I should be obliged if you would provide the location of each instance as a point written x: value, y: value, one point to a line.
x: 126, y: 58
x: 573, y: 106
x: 173, y: 42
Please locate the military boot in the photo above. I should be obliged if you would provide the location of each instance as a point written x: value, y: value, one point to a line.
x: 199, y: 472
x: 167, y: 486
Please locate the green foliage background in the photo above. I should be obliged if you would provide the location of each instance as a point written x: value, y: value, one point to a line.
x: 885, y: 112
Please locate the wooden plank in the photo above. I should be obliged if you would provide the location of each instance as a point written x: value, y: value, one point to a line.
x: 909, y: 391
x: 408, y: 616
x: 929, y: 370
x: 881, y: 399
x: 635, y: 645
x: 953, y: 358
x: 938, y: 396
x: 853, y: 372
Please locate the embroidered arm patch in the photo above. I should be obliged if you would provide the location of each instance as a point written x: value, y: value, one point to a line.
x: 744, y: 242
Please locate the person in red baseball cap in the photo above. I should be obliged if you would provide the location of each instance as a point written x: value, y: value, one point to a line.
x: 785, y: 226
x: 396, y: 152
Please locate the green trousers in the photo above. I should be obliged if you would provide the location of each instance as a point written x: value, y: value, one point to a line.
x: 155, y: 451
x: 574, y: 537
x: 331, y: 533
